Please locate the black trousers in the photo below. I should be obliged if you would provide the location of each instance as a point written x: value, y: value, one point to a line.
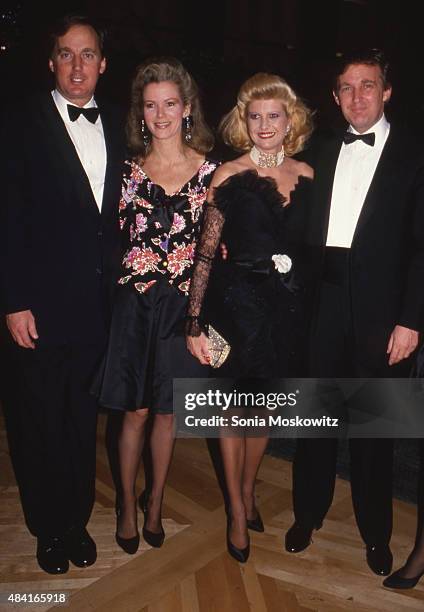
x: 51, y: 423
x: 314, y: 470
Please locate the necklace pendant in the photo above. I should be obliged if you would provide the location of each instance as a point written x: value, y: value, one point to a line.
x: 266, y: 160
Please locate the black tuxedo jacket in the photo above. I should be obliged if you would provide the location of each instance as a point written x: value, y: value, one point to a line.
x: 58, y: 251
x: 386, y: 280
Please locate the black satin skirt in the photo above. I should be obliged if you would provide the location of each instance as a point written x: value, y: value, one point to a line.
x: 146, y: 350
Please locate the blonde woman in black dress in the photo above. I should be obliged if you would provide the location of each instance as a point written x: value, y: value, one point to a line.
x: 250, y: 296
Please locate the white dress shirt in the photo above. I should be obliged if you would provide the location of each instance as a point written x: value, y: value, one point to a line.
x: 354, y: 172
x: 89, y: 142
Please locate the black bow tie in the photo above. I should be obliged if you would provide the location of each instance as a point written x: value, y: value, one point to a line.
x: 90, y: 114
x: 369, y: 138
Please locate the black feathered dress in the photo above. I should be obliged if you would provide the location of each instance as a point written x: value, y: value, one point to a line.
x: 258, y: 309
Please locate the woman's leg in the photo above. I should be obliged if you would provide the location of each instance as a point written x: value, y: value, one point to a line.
x: 415, y: 563
x: 233, y: 457
x: 255, y: 449
x: 162, y: 442
x: 130, y: 446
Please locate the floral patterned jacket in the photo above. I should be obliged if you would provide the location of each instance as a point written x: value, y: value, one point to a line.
x: 160, y: 231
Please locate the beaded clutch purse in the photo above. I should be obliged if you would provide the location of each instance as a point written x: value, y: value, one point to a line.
x: 219, y: 348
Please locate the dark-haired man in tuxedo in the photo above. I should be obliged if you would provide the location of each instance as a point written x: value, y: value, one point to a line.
x: 366, y: 246
x: 59, y: 233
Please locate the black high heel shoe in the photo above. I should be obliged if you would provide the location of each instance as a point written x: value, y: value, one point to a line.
x: 154, y: 539
x: 239, y: 554
x: 396, y: 581
x: 256, y: 524
x: 128, y: 545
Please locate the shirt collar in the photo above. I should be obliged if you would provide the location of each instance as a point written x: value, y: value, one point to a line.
x: 62, y: 104
x: 380, y: 129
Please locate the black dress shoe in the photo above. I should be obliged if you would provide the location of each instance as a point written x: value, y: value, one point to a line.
x: 379, y: 559
x: 51, y: 555
x: 299, y: 537
x: 396, y: 581
x: 128, y: 545
x: 256, y: 524
x: 239, y: 554
x: 80, y: 547
x: 153, y: 538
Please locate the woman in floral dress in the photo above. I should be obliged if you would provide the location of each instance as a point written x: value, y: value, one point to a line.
x: 164, y: 188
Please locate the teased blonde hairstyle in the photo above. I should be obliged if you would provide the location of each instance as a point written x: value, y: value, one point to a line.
x: 158, y: 70
x: 264, y: 86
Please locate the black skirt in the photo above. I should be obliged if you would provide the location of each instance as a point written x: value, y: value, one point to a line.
x: 146, y: 350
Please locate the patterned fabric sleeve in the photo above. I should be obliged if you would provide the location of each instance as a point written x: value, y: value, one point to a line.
x: 124, y: 199
x: 208, y: 244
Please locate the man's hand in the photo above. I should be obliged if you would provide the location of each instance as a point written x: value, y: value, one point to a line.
x: 22, y: 327
x: 403, y: 341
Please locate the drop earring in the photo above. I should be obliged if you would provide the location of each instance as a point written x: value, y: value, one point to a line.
x: 144, y: 133
x: 187, y: 126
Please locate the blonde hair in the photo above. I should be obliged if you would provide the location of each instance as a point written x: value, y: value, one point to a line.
x: 157, y: 71
x: 264, y: 86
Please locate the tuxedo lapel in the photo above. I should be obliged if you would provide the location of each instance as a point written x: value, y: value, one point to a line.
x: 61, y: 141
x: 323, y: 187
x: 381, y: 184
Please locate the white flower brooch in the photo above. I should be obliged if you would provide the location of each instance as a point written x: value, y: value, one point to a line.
x: 282, y: 263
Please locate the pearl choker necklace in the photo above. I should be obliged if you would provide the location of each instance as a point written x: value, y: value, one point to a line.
x: 266, y: 160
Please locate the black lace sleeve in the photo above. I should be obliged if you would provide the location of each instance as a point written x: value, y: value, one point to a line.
x: 206, y: 249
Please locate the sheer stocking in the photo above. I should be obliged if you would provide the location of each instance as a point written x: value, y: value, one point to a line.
x: 233, y: 457
x: 241, y: 458
x: 130, y: 446
x: 415, y: 562
x: 162, y: 443
x: 255, y: 449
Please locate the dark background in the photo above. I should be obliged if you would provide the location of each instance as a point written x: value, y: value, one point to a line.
x: 221, y: 44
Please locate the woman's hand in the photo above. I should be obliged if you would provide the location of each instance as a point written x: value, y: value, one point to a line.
x: 198, y: 347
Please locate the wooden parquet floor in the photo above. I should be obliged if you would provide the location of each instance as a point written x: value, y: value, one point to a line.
x: 192, y: 572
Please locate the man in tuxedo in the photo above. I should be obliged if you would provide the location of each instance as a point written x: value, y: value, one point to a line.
x: 59, y: 238
x: 365, y: 250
